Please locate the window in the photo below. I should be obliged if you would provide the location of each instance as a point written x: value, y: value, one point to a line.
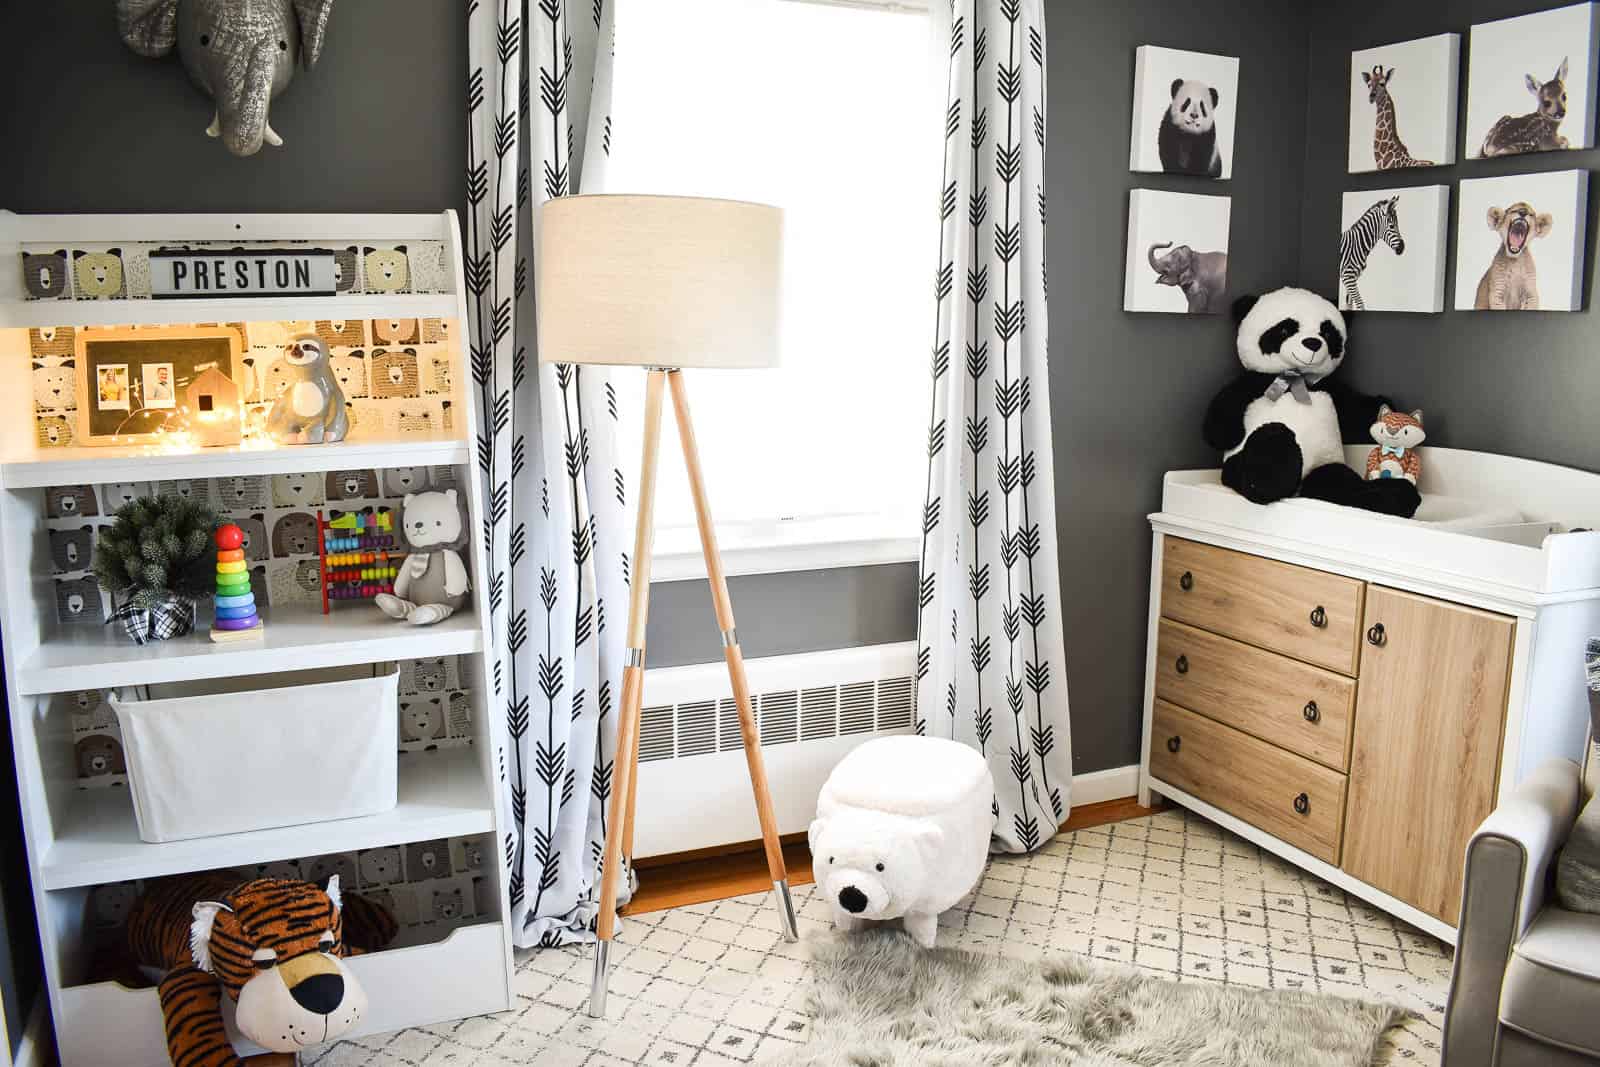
x: 828, y: 111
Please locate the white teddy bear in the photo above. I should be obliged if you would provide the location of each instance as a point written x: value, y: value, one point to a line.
x: 432, y: 583
x: 902, y: 831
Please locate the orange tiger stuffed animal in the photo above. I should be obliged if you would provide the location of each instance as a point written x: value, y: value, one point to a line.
x: 272, y: 945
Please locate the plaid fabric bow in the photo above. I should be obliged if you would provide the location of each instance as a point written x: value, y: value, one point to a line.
x: 169, y: 618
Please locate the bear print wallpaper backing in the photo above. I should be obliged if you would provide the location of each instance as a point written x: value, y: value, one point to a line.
x: 394, y: 373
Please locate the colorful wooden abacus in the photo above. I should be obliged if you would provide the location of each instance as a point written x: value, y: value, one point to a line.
x: 236, y: 617
x: 358, y: 556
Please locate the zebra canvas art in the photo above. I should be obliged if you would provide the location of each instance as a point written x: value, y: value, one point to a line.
x: 1391, y: 249
x: 1380, y: 222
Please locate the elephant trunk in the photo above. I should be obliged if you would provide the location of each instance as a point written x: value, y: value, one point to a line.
x: 1155, y: 264
x: 242, y: 107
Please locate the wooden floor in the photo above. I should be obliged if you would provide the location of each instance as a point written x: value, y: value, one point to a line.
x: 714, y: 874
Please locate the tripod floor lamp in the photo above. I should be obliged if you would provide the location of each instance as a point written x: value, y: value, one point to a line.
x: 664, y: 283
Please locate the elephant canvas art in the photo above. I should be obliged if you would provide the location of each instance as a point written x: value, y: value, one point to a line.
x: 1177, y: 253
x: 241, y: 54
x: 1202, y: 277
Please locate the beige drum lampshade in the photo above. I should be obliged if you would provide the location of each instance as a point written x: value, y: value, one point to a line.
x: 659, y: 281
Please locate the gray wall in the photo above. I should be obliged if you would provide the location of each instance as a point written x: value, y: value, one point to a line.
x: 1525, y: 385
x: 377, y: 125
x: 1128, y: 391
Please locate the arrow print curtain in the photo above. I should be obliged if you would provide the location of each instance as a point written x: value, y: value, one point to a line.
x: 990, y: 654
x: 556, y: 531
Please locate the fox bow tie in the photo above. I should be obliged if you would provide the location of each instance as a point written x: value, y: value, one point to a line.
x: 1397, y: 451
x: 1289, y: 383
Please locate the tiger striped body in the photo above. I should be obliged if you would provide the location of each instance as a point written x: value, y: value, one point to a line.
x: 1398, y: 434
x: 271, y: 945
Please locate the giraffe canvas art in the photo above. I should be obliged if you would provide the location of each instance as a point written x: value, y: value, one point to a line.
x: 1403, y: 104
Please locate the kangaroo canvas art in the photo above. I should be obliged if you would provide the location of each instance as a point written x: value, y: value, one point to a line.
x: 1403, y: 104
x: 1392, y: 249
x: 1177, y: 253
x: 1520, y: 241
x: 1531, y: 83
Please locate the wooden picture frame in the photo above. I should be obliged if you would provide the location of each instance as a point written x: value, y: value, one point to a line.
x: 111, y: 367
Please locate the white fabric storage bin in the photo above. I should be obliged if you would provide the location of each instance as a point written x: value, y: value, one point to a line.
x: 224, y: 763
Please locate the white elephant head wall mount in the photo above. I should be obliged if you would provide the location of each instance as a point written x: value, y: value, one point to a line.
x: 241, y: 52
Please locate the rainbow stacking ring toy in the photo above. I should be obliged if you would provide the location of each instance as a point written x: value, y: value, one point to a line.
x: 235, y: 603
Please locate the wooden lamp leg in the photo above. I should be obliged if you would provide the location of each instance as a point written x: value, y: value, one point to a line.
x: 730, y: 650
x: 625, y: 768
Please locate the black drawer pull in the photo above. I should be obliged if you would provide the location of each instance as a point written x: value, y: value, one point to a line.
x: 1174, y: 743
x: 1186, y: 581
x: 1319, y: 618
x: 1302, y: 804
x: 1311, y: 711
x: 1182, y: 665
x: 1375, y: 635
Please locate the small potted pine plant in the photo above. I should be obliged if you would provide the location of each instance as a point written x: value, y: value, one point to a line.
x: 156, y: 559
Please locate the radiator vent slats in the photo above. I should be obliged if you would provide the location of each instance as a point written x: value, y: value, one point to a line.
x: 895, y: 699
x: 655, y: 733
x: 784, y: 716
x: 778, y: 714
x: 819, y: 713
x: 697, y: 729
x: 855, y: 708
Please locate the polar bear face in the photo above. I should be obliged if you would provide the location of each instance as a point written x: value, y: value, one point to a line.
x: 870, y: 864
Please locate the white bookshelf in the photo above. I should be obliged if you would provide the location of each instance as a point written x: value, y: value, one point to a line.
x: 296, y: 638
x: 442, y: 794
x: 27, y: 313
x: 144, y: 463
x: 81, y: 838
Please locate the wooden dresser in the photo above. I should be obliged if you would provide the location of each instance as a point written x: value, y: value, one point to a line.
x: 1359, y: 721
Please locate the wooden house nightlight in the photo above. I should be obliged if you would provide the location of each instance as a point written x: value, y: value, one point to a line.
x: 213, y: 403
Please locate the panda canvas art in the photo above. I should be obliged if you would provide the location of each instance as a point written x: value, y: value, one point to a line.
x: 1183, y: 112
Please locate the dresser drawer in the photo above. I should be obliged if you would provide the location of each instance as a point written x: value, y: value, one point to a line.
x: 1304, y: 709
x: 1288, y: 796
x: 1310, y: 615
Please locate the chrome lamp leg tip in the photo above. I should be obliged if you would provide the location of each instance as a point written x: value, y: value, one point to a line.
x: 791, y: 929
x: 597, y: 986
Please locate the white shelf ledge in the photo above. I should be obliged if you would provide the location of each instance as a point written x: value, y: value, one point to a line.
x: 145, y: 463
x: 442, y: 794
x: 43, y: 313
x: 297, y: 638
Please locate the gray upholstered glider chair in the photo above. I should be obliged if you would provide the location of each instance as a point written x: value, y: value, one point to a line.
x: 1526, y: 987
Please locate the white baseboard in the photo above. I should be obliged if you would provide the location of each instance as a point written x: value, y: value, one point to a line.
x: 1113, y: 783
x: 34, y: 1049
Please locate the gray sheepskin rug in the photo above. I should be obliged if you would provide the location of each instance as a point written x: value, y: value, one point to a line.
x: 878, y: 1000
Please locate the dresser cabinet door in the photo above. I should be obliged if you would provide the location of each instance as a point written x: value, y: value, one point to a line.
x: 1430, y: 706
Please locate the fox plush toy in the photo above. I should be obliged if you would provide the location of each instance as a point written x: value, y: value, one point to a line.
x: 1398, y: 435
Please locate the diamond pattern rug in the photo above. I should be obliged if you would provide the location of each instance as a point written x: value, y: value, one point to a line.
x: 713, y: 985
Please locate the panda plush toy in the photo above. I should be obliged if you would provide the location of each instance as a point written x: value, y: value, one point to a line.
x: 1281, y: 424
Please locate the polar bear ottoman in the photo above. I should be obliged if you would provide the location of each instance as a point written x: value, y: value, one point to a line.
x: 902, y: 831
